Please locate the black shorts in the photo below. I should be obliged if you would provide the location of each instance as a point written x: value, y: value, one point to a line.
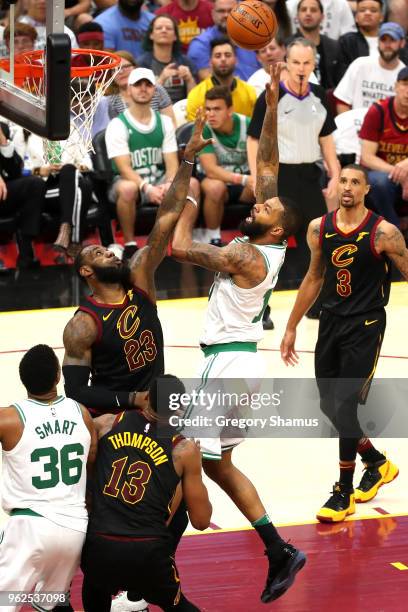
x: 145, y: 566
x: 348, y: 348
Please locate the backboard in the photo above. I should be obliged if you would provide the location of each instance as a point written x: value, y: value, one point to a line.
x: 47, y: 115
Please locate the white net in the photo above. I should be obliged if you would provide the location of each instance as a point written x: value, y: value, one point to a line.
x: 91, y: 74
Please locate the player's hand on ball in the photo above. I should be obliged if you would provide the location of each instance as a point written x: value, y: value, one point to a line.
x: 197, y: 142
x: 272, y: 88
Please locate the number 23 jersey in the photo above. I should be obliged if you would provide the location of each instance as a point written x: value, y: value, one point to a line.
x: 128, y: 352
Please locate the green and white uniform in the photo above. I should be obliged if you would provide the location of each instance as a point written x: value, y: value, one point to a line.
x: 145, y: 143
x: 233, y: 327
x: 230, y: 149
x: 43, y: 490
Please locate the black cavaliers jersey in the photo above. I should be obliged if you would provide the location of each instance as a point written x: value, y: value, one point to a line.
x: 134, y: 481
x: 128, y: 352
x: 357, y: 279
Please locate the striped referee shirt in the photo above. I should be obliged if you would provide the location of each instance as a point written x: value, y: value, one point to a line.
x: 302, y: 120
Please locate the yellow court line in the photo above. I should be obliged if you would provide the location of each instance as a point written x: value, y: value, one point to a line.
x: 298, y: 524
x: 399, y: 566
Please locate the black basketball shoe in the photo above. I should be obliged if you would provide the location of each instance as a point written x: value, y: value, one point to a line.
x: 284, y: 564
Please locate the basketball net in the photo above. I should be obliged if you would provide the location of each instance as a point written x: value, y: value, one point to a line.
x: 91, y: 74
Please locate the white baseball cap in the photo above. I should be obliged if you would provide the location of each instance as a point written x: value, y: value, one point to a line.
x: 141, y: 73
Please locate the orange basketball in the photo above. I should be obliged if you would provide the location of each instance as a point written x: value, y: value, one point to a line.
x: 252, y: 24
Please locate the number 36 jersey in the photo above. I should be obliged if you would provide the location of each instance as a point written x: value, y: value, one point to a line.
x: 45, y: 472
x: 357, y: 278
x: 235, y: 314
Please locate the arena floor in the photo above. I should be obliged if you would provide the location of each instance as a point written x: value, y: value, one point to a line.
x: 361, y: 564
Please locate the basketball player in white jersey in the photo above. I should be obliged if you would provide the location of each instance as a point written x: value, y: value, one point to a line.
x: 47, y: 441
x: 246, y: 273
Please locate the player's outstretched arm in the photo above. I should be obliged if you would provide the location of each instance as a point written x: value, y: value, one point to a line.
x: 389, y: 240
x: 146, y: 261
x: 307, y: 294
x: 195, y: 493
x: 267, y: 159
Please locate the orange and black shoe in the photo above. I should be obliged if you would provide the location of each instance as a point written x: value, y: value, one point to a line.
x: 339, y: 505
x: 375, y: 476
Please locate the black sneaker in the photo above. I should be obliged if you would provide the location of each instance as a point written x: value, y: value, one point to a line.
x: 339, y: 505
x: 129, y: 251
x: 267, y: 322
x: 217, y: 242
x: 283, y: 567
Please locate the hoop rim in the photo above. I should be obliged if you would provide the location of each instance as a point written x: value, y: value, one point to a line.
x: 28, y: 63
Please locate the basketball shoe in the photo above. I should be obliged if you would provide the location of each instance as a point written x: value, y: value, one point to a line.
x: 283, y: 567
x: 375, y: 475
x: 339, y: 505
x: 121, y: 603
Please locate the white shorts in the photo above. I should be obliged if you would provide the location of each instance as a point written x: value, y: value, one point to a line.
x: 247, y: 366
x: 36, y: 554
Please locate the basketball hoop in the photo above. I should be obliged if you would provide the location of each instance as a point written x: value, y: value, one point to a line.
x: 92, y: 72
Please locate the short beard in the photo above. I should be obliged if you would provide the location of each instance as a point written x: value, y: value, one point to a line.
x: 113, y: 275
x: 223, y: 75
x: 133, y: 12
x: 253, y: 229
x: 391, y: 55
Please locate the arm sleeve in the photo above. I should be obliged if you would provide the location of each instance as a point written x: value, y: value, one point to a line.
x: 116, y: 139
x: 199, y: 54
x: 169, y: 142
x: 163, y: 98
x: 255, y: 127
x: 329, y: 125
x: 100, y: 398
x: 371, y: 128
x: 344, y: 90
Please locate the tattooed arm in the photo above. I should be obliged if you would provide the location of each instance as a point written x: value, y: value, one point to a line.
x: 267, y: 159
x: 307, y: 294
x: 146, y: 261
x: 243, y: 261
x: 389, y: 240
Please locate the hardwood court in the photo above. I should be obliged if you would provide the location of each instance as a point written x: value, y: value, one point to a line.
x: 358, y: 565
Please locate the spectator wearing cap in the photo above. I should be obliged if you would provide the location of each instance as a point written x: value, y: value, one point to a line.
x: 223, y: 62
x: 199, y: 51
x: 368, y: 79
x: 369, y: 16
x: 174, y: 71
x: 125, y: 25
x: 310, y: 15
x: 90, y: 36
x: 192, y: 17
x: 142, y: 146
x: 25, y: 37
x: 384, y: 149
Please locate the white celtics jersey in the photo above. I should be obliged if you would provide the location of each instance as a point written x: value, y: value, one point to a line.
x: 235, y: 314
x: 45, y: 472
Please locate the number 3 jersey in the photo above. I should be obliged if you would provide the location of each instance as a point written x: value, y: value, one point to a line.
x: 357, y: 278
x: 235, y: 314
x: 45, y: 472
x: 128, y: 352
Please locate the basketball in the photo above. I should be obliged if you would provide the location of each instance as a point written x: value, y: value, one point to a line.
x: 252, y: 25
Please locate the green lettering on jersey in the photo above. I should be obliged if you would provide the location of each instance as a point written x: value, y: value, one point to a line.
x: 59, y: 467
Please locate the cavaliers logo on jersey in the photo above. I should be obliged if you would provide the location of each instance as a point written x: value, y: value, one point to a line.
x: 341, y: 256
x: 128, y: 322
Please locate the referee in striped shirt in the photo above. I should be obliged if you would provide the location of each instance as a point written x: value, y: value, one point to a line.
x: 305, y: 128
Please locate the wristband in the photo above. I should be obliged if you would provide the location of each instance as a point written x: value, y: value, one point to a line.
x: 192, y: 200
x: 186, y: 161
x: 244, y: 179
x: 142, y: 184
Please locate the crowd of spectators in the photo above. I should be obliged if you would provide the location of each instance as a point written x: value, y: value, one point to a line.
x: 343, y: 97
